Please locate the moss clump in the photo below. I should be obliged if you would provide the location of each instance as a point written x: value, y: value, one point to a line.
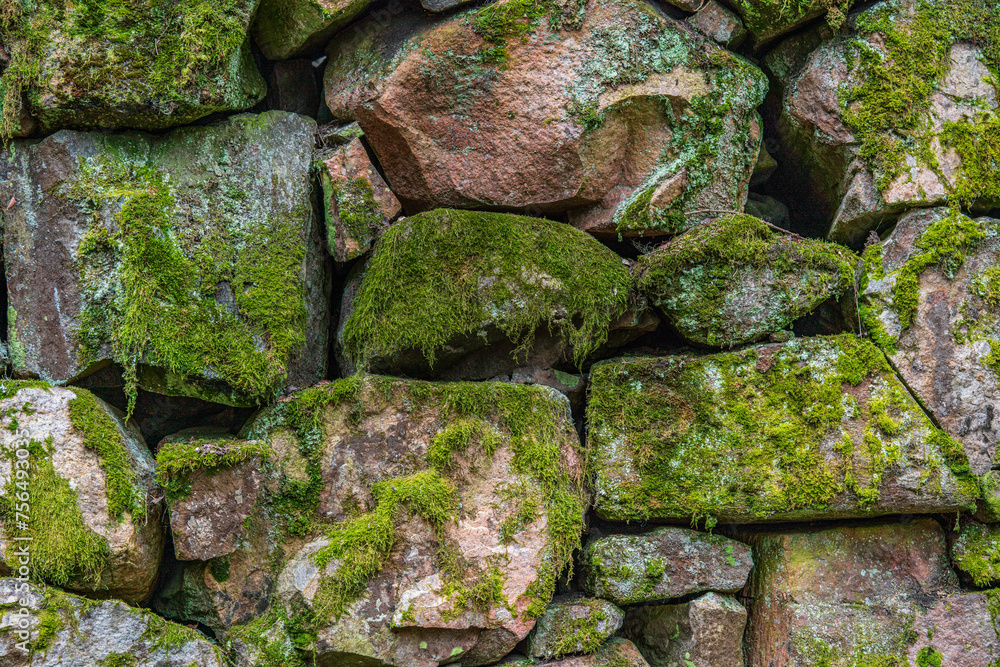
x: 101, y: 434
x: 942, y: 246
x: 896, y: 75
x: 130, y: 64
x: 177, y: 460
x: 500, y: 23
x: 766, y: 432
x: 693, y: 277
x: 362, y: 545
x: 268, y: 639
x: 194, y: 297
x: 976, y: 552
x: 118, y: 660
x: 63, y: 549
x: 443, y: 275
x: 929, y: 656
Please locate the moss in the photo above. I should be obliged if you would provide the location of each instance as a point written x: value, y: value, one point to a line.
x: 63, y: 549
x: 18, y: 355
x: 942, y: 245
x: 178, y: 459
x: 887, y: 108
x: 767, y: 16
x: 269, y: 639
x: 977, y: 553
x: 977, y: 142
x: 438, y: 276
x: 693, y: 276
x: 150, y: 281
x: 160, y: 65
x: 101, y: 434
x: 352, y: 202
x: 117, y: 660
x: 162, y: 635
x: 573, y: 630
x: 502, y: 22
x: 473, y: 418
x: 753, y: 423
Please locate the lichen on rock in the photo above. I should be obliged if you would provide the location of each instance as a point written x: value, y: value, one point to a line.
x: 735, y: 280
x: 813, y: 428
x: 191, y: 260
x: 930, y: 298
x: 110, y: 65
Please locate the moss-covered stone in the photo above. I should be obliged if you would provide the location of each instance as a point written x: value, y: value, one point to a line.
x: 735, y: 280
x: 80, y: 490
x: 897, y: 112
x: 284, y: 28
x: 460, y: 502
x: 817, y: 427
x: 443, y: 284
x: 769, y: 19
x: 59, y: 628
x: 647, y: 128
x: 103, y: 64
x: 192, y: 260
x: 871, y: 594
x: 573, y: 625
x: 930, y: 298
x: 663, y: 564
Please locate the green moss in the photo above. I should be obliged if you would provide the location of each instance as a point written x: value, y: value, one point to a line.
x: 474, y: 418
x: 573, y: 631
x: 101, y: 434
x: 361, y: 545
x: 164, y: 65
x: 16, y: 348
x: 694, y: 275
x: 768, y: 16
x: 162, y: 635
x: 63, y: 549
x: 943, y: 246
x: 117, y: 660
x: 150, y: 282
x: 977, y: 553
x: 754, y: 421
x: 352, y: 203
x: 929, y: 656
x: 177, y: 459
x: 500, y: 23
x: 888, y: 106
x: 438, y: 276
x: 268, y: 637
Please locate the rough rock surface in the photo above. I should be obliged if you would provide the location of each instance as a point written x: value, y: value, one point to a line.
x: 93, y: 519
x: 608, y: 110
x: 358, y: 204
x: 715, y: 21
x: 112, y: 65
x: 616, y: 652
x: 284, y: 28
x: 868, y: 594
x: 193, y: 259
x: 813, y: 428
x: 894, y: 113
x: 212, y: 489
x: 375, y: 558
x: 470, y: 295
x: 573, y: 625
x: 930, y: 297
x: 666, y: 563
x: 735, y: 280
x: 62, y: 629
x: 705, y: 631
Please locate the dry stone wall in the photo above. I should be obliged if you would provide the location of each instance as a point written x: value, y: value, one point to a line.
x: 566, y: 333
